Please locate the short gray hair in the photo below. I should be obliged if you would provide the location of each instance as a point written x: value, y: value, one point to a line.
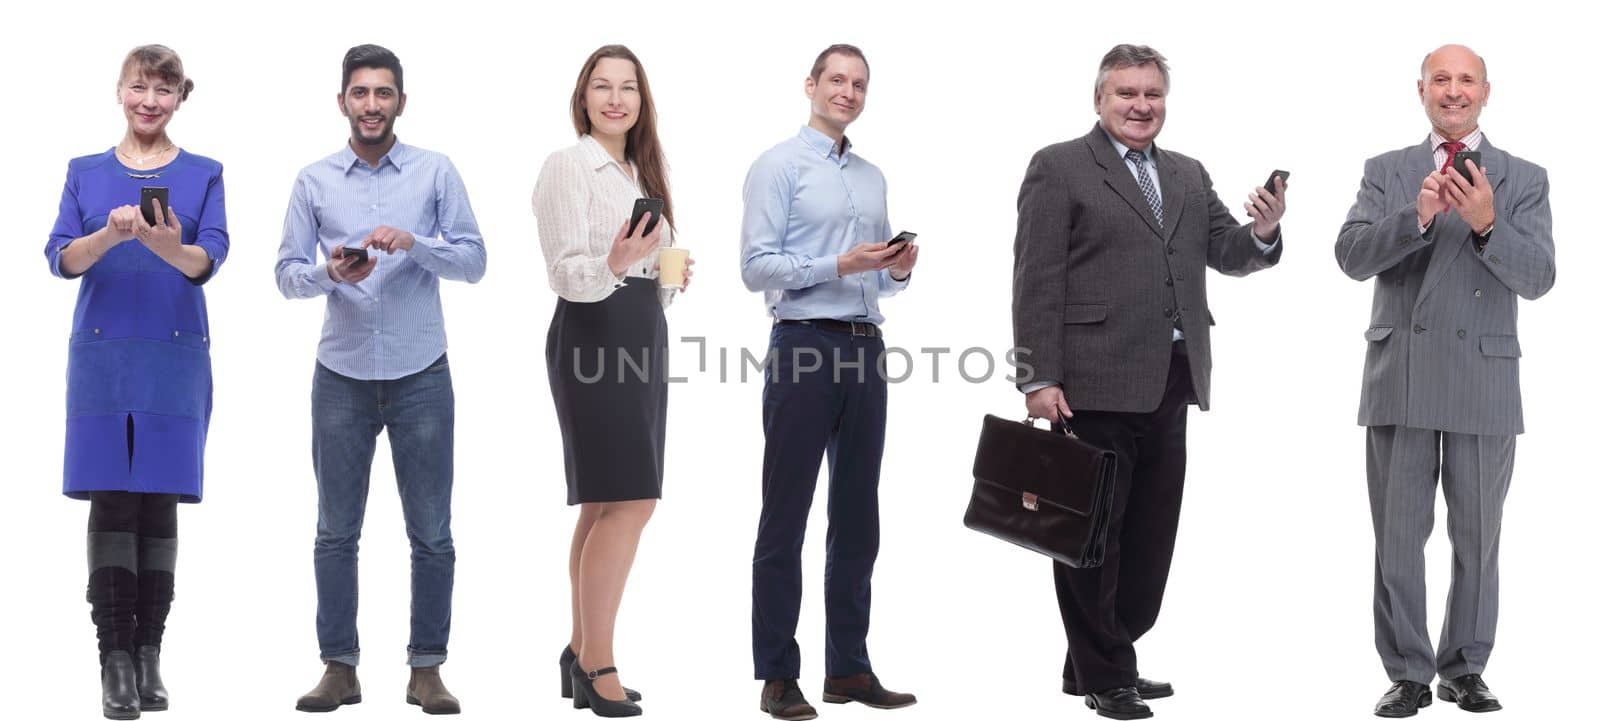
x: 1125, y: 55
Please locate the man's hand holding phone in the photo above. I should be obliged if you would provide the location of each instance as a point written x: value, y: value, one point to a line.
x: 348, y: 266
x: 905, y: 258
x: 1470, y: 193
x: 867, y: 257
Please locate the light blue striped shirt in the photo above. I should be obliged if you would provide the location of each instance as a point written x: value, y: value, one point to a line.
x: 805, y: 203
x: 391, y: 324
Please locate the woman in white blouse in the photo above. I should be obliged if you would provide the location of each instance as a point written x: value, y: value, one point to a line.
x: 606, y: 351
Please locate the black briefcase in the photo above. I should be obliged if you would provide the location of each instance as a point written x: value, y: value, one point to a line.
x: 1043, y: 490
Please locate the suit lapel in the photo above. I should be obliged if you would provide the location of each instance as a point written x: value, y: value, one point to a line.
x: 1173, y: 194
x: 1120, y: 178
x: 1494, y: 165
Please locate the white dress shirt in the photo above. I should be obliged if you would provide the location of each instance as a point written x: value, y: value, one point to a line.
x: 583, y: 195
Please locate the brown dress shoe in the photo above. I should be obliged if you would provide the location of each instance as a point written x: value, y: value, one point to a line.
x: 427, y: 690
x: 782, y: 699
x: 337, y: 688
x: 863, y: 688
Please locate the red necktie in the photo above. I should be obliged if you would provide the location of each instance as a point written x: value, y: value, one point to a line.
x: 1452, y: 147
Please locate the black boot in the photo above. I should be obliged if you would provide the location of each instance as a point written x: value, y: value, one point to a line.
x: 157, y: 560
x: 119, y: 695
x: 147, y: 671
x: 113, y: 593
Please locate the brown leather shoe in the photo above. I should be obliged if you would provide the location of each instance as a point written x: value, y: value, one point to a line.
x: 782, y: 699
x: 863, y: 688
x: 427, y: 690
x: 338, y: 687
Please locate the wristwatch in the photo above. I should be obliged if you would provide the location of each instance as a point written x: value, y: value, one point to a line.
x: 1479, y: 240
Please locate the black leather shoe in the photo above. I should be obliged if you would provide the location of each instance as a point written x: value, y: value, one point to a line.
x: 1469, y: 692
x: 1403, y: 699
x: 119, y: 693
x: 1147, y: 689
x: 567, y: 659
x: 781, y: 698
x: 584, y: 695
x: 147, y: 669
x: 1118, y: 703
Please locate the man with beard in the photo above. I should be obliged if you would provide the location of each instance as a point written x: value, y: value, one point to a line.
x: 390, y: 220
x: 1452, y: 244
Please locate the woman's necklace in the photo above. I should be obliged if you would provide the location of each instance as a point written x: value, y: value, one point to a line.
x: 142, y: 159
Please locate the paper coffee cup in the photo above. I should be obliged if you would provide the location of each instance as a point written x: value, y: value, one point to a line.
x: 673, y: 262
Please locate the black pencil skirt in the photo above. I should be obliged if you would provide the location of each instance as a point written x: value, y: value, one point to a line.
x: 608, y: 375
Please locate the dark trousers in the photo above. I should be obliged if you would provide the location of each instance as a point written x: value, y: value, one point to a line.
x: 1106, y: 609
x: 133, y: 546
x: 823, y: 394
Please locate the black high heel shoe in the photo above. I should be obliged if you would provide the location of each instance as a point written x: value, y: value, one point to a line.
x: 567, y: 659
x: 584, y: 695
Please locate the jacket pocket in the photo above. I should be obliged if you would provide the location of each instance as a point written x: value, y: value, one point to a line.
x: 1500, y: 346
x: 1084, y: 313
x: 1378, y: 332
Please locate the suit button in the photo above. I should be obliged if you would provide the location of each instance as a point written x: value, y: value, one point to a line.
x: 1477, y: 293
x: 1169, y: 281
x: 1171, y: 251
x: 1461, y: 334
x: 1166, y: 312
x: 1418, y: 329
x: 1494, y: 259
x: 1405, y: 239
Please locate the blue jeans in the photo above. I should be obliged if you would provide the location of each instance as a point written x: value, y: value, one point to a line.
x: 346, y: 416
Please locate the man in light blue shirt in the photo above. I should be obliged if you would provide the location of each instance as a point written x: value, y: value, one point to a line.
x: 390, y: 220
x: 815, y: 242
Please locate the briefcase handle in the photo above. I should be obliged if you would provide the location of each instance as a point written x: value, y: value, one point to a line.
x: 1065, y: 427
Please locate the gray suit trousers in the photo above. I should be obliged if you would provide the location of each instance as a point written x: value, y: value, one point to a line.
x: 1404, y: 466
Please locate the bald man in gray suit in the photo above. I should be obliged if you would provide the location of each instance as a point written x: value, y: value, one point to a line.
x: 1451, y: 253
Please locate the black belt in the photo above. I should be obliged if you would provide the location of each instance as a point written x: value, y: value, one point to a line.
x: 860, y: 328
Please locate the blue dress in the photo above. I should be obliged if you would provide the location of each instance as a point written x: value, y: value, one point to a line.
x: 138, y: 362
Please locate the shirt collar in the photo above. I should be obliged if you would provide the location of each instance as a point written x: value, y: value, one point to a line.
x: 824, y: 145
x: 1122, y: 150
x: 396, y: 156
x: 598, y: 156
x: 1472, y: 141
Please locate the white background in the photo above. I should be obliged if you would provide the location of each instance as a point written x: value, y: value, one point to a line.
x: 1269, y: 600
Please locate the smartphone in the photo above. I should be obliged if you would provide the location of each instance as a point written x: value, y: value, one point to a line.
x: 653, y: 206
x: 905, y: 236
x: 147, y: 195
x: 1460, y: 163
x: 357, y: 252
x: 1280, y: 174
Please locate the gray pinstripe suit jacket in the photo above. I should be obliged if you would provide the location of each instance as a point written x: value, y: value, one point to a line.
x: 1097, y: 282
x: 1442, y: 345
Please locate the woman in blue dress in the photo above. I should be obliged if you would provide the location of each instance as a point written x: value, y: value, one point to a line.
x: 138, y: 365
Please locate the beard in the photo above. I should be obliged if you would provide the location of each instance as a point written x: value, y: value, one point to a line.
x: 385, y: 131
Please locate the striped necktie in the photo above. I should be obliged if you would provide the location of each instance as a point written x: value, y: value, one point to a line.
x: 1452, y: 147
x: 1146, y: 185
